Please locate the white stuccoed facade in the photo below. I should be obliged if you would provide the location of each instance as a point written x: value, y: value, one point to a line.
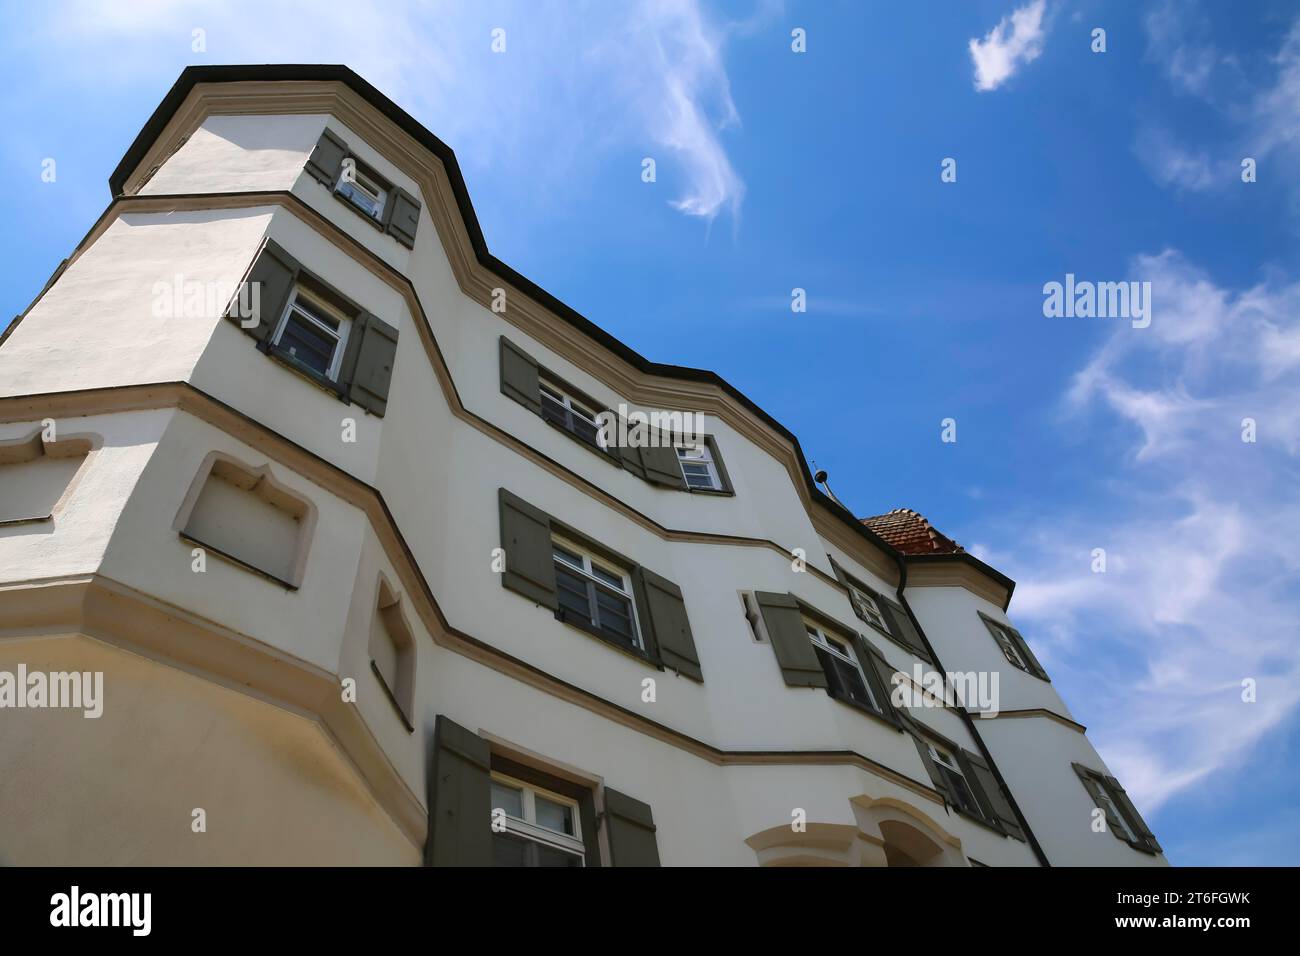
x: 222, y: 688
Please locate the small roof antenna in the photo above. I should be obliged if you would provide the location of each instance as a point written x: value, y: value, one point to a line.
x: 820, y: 478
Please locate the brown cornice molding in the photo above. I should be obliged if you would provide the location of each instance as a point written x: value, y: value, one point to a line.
x: 951, y: 570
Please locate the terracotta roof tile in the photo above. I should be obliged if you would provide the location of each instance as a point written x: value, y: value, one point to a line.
x: 909, y: 532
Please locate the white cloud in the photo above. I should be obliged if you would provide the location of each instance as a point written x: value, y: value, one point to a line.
x: 1202, y: 533
x: 1016, y: 40
x: 569, y: 92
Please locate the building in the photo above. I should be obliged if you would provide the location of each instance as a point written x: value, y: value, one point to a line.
x: 314, y: 482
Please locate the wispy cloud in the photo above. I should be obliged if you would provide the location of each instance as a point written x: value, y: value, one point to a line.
x: 1202, y: 533
x: 568, y: 92
x: 1015, y: 41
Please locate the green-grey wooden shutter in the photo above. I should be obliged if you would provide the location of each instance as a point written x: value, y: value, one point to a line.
x: 460, y: 798
x: 662, y: 466
x: 326, y: 160
x: 630, y: 456
x: 273, y: 276
x: 629, y: 831
x: 901, y: 626
x: 520, y: 377
x: 936, y: 775
x: 526, y: 540
x: 1143, y: 832
x: 403, y: 216
x: 663, y: 613
x: 789, y: 636
x: 988, y: 794
x: 723, y: 478
x: 371, y: 370
x: 1035, y: 667
x: 1091, y: 780
x: 880, y: 675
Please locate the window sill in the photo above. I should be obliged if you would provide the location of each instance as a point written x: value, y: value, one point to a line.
x: 1027, y: 672
x: 392, y: 698
x: 582, y: 624
x: 712, y: 492
x: 227, y: 556
x: 17, y: 522
x: 310, y: 374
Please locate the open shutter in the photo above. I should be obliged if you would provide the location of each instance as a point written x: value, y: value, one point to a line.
x: 272, y: 276
x: 1145, y: 836
x: 993, y: 802
x: 794, y: 651
x: 371, y: 369
x: 663, y: 613
x: 403, y: 216
x: 520, y: 378
x: 326, y: 160
x: 936, y: 775
x: 526, y: 540
x: 630, y: 457
x: 629, y: 831
x: 901, y: 626
x: 662, y: 466
x: 1091, y: 781
x: 460, y: 797
x: 880, y: 675
x: 723, y: 477
x: 1035, y: 667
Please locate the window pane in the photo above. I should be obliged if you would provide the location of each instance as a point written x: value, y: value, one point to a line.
x: 571, y: 591
x: 509, y: 850
x: 554, y: 816
x: 549, y: 856
x: 308, y: 344
x: 507, y: 798
x: 567, y: 555
x: 615, y: 579
x: 320, y: 315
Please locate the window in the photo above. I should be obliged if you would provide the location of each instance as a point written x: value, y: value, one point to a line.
x: 534, y: 827
x: 842, y: 667
x: 574, y: 416
x: 1122, y: 817
x: 364, y: 191
x: 312, y: 333
x: 958, y: 786
x: 595, y: 594
x: 867, y: 608
x: 1014, y: 647
x: 698, y: 467
x: 1008, y: 646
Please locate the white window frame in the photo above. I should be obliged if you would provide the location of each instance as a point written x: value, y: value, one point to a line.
x: 369, y: 185
x: 843, y: 649
x: 340, y: 335
x: 699, y: 454
x: 590, y: 561
x: 945, y: 758
x: 574, y: 406
x: 868, y: 608
x: 528, y: 828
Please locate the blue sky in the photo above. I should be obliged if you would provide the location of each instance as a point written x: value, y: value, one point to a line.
x: 821, y: 170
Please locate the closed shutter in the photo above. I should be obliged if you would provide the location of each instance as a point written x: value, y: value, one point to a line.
x: 526, y: 540
x: 662, y: 466
x: 794, y: 651
x: 403, y: 216
x: 273, y: 275
x: 1144, y: 834
x: 880, y: 675
x: 993, y: 802
x: 326, y: 160
x: 460, y: 798
x: 629, y: 831
x: 664, y: 616
x: 520, y: 379
x: 901, y: 626
x: 370, y: 371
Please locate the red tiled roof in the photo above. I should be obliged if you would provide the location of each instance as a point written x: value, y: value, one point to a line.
x: 910, y: 533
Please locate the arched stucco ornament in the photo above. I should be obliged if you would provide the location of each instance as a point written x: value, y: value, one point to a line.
x: 899, y: 834
x: 818, y: 844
